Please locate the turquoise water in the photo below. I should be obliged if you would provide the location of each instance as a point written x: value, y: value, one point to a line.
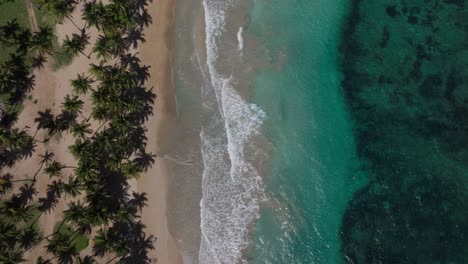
x: 406, y: 88
x: 365, y: 105
x: 310, y: 174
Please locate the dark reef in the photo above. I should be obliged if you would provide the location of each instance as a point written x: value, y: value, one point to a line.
x: 405, y: 65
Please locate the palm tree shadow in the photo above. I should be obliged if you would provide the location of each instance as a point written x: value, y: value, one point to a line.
x: 135, y: 36
x: 132, y: 63
x: 140, y: 243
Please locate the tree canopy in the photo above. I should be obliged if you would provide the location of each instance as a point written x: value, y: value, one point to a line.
x: 95, y: 188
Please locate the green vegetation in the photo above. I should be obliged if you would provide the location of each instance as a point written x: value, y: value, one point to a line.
x: 96, y: 193
x: 80, y: 242
x: 43, y: 18
x: 15, y: 10
x: 406, y: 86
x: 61, y: 58
x: 9, y: 11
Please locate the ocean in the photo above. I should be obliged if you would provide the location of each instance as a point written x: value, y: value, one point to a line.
x: 310, y: 172
x: 275, y: 138
x: 321, y: 131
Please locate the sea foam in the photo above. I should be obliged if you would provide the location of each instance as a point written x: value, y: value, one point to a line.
x: 240, y: 39
x: 231, y: 184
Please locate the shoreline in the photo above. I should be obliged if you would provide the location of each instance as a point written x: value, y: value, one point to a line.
x: 157, y: 181
x: 232, y: 139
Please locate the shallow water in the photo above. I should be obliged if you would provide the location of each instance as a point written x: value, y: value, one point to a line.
x: 270, y: 87
x: 310, y: 174
x: 184, y: 202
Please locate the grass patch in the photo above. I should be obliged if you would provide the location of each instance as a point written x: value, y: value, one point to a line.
x: 43, y: 19
x: 18, y: 10
x: 33, y: 215
x: 81, y: 241
x: 13, y: 10
x: 61, y: 58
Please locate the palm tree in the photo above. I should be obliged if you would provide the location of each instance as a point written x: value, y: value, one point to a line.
x: 76, y: 44
x: 28, y: 237
x: 80, y: 130
x: 45, y: 158
x: 87, y: 171
x: 72, y: 188
x: 85, y: 260
x: 126, y: 214
x: 99, y: 201
x: 42, y: 41
x: 10, y: 30
x: 38, y: 61
x: 40, y: 260
x: 61, y: 10
x: 113, y: 163
x: 93, y: 13
x: 100, y: 113
x: 15, y: 209
x: 121, y: 124
x: 6, y: 1
x: 120, y: 6
x: 8, y: 235
x: 14, y: 139
x: 103, y: 242
x: 75, y: 212
x: 101, y: 98
x: 131, y: 170
x: 54, y: 169
x: 12, y: 257
x: 99, y: 71
x: 60, y: 246
x: 111, y: 43
x: 82, y: 84
x: 81, y: 148
x: 73, y: 105
x: 101, y: 50
x: 6, y: 183
x: 78, y: 216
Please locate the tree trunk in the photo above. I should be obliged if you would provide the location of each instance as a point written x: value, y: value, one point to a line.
x: 112, y: 259
x: 100, y: 127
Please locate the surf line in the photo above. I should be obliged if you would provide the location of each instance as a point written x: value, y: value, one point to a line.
x: 240, y: 39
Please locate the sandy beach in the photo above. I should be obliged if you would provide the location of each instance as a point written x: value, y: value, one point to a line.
x: 51, y: 88
x: 157, y: 52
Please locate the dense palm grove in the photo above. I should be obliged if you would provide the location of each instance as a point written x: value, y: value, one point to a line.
x: 100, y: 206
